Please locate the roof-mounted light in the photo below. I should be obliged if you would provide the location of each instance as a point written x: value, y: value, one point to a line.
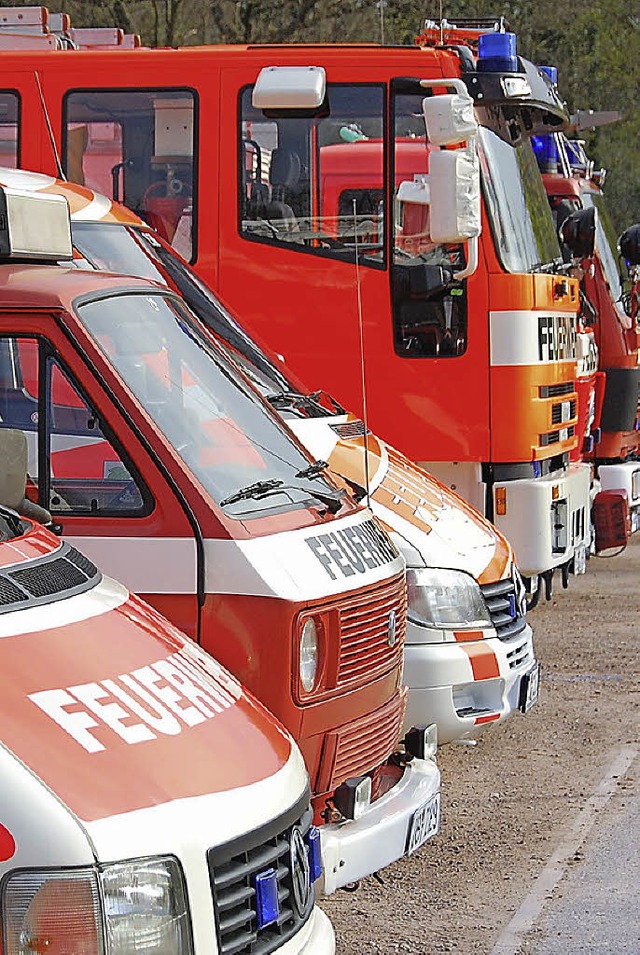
x: 497, y: 53
x: 34, y: 226
x: 545, y: 149
x: 551, y: 72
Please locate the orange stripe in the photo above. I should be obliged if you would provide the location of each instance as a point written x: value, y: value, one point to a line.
x: 487, y: 719
x: 462, y: 636
x: 484, y: 662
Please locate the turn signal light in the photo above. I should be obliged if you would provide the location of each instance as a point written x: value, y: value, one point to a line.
x: 501, y: 501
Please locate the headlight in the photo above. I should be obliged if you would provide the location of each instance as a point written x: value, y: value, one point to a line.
x: 59, y: 912
x: 308, y: 655
x: 445, y: 599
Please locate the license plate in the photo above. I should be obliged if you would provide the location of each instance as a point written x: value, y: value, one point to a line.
x: 425, y: 823
x: 580, y: 560
x: 529, y: 689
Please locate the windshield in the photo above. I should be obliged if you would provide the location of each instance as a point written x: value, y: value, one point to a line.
x: 216, y: 423
x: 517, y: 205
x: 135, y: 252
x: 606, y: 242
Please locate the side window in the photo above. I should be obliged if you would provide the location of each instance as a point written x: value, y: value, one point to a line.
x: 137, y: 147
x: 9, y: 126
x: 429, y: 305
x: 86, y: 473
x: 316, y: 184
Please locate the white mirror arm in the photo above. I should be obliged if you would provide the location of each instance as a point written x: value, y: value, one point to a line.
x: 472, y: 260
x: 448, y: 81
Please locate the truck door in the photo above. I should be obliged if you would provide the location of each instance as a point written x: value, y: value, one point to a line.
x: 88, y: 468
x: 312, y: 239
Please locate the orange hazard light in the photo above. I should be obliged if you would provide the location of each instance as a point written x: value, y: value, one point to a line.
x: 501, y: 501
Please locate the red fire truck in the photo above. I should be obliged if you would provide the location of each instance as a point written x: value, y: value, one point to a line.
x: 469, y: 658
x: 469, y: 346
x: 148, y: 803
x: 206, y: 505
x: 575, y: 192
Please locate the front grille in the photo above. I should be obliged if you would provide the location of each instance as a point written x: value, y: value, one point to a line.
x: 368, y: 742
x: 556, y: 412
x: 370, y: 644
x: 232, y: 871
x: 349, y: 429
x: 519, y: 656
x: 557, y: 391
x: 553, y: 437
x: 62, y: 574
x: 501, y: 599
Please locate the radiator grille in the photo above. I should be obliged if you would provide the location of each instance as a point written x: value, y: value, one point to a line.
x: 372, y: 632
x: 553, y: 437
x: 556, y: 412
x: 519, y: 656
x: 503, y: 605
x: 232, y: 871
x: 557, y: 391
x: 368, y: 742
x: 349, y: 429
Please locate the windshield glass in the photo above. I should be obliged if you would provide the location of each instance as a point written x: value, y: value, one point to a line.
x: 212, y: 418
x: 117, y: 248
x: 517, y: 205
x: 606, y: 243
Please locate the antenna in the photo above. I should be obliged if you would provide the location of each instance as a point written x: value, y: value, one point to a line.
x: 52, y: 140
x: 365, y: 416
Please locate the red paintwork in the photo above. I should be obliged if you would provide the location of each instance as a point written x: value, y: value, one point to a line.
x: 103, y: 647
x: 7, y: 844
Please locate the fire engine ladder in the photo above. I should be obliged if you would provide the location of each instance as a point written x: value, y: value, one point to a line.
x: 465, y: 31
x: 35, y: 28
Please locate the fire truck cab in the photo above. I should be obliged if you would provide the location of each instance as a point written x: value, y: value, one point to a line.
x: 158, y: 458
x: 147, y: 803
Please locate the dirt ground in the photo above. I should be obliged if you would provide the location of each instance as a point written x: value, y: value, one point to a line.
x: 507, y: 800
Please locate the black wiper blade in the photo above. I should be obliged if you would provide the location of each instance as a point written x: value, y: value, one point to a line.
x: 281, y: 400
x: 252, y: 490
x: 12, y: 518
x: 314, y: 470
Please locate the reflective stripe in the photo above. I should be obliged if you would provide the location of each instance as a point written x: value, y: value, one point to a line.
x: 533, y: 338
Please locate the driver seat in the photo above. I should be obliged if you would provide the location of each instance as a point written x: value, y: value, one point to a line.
x: 13, y: 477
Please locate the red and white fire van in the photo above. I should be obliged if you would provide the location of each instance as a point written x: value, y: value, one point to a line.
x: 469, y: 658
x: 148, y: 803
x: 164, y: 464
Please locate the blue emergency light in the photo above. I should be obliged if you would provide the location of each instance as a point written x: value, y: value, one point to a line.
x: 551, y: 72
x: 545, y: 149
x: 267, y: 905
x: 315, y: 853
x: 497, y: 53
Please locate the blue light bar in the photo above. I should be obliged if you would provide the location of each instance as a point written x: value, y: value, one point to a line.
x: 537, y: 469
x: 497, y: 53
x: 315, y: 854
x: 267, y: 905
x: 552, y: 73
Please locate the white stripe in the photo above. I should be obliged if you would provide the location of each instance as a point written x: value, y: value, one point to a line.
x: 98, y: 208
x: 146, y: 565
x: 27, y: 181
x: 515, y: 337
x: 108, y: 595
x: 511, y: 937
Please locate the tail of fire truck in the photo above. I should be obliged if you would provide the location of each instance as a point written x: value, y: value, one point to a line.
x: 469, y: 348
x: 574, y: 189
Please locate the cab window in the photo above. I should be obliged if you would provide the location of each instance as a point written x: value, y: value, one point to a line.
x: 86, y: 472
x: 137, y: 146
x: 316, y: 184
x: 9, y: 126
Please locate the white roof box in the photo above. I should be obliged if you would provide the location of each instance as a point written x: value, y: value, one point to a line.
x: 34, y: 226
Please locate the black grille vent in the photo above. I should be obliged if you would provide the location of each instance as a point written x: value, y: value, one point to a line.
x: 350, y: 429
x: 62, y: 574
x: 233, y: 868
x: 553, y: 437
x: 502, y: 603
x: 557, y: 391
x: 556, y: 412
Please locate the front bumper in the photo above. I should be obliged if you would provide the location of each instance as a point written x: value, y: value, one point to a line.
x: 463, y: 687
x: 355, y: 848
x: 314, y: 938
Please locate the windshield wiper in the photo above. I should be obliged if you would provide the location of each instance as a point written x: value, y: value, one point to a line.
x: 333, y: 502
x: 314, y: 470
x: 12, y: 518
x: 292, y: 399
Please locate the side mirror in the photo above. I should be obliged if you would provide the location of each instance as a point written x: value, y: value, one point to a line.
x: 629, y: 246
x: 578, y: 232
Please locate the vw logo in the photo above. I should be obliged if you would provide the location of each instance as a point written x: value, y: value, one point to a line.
x: 300, y: 872
x: 512, y: 605
x: 391, y: 629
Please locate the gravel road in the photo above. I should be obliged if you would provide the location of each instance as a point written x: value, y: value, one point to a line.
x: 508, y: 802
